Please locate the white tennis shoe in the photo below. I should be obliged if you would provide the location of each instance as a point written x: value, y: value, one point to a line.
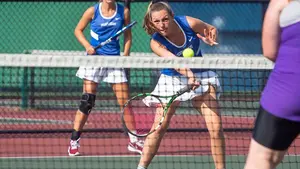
x: 73, y: 149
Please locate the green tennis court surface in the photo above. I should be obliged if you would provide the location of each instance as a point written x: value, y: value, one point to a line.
x: 130, y: 162
x: 116, y: 162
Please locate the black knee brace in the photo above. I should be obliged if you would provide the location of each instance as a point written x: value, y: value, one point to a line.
x: 87, y: 102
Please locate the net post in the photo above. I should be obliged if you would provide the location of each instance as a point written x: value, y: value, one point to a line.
x: 24, y: 89
x: 32, y: 88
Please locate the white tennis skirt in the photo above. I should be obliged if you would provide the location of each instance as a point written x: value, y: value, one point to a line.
x: 169, y: 85
x: 98, y: 74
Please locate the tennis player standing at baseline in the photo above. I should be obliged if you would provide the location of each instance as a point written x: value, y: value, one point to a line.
x: 105, y: 18
x: 278, y: 120
x: 170, y: 36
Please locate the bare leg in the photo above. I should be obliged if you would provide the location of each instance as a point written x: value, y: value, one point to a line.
x: 152, y: 141
x: 80, y: 118
x: 261, y: 157
x: 208, y: 105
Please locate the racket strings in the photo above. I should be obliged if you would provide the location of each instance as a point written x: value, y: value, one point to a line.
x: 140, y: 118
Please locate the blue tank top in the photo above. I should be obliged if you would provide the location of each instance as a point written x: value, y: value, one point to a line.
x: 191, y: 41
x: 103, y: 28
x: 281, y: 96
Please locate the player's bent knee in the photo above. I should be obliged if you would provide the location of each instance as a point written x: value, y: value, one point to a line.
x: 274, y: 158
x: 268, y: 158
x: 87, y: 102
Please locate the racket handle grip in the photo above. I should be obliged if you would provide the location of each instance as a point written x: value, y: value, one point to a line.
x: 99, y: 46
x: 185, y: 89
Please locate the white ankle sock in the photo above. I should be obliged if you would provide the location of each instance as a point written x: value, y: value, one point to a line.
x: 141, y: 167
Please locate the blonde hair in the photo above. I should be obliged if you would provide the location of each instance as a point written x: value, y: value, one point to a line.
x: 154, y: 7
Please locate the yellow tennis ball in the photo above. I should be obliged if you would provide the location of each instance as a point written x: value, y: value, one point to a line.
x: 188, y: 53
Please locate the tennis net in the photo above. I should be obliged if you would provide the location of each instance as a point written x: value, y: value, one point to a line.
x: 40, y: 95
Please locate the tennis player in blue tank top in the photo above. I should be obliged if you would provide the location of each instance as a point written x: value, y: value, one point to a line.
x: 170, y: 36
x: 103, y: 27
x: 105, y: 18
x: 191, y: 41
x: 278, y: 121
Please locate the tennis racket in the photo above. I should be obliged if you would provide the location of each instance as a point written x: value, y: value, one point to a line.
x: 116, y: 35
x: 137, y: 113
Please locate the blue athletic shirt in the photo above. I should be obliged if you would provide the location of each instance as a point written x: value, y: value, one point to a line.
x: 191, y: 41
x: 104, y: 27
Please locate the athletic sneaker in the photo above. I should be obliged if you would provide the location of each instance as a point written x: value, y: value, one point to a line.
x: 136, y: 146
x: 73, y: 148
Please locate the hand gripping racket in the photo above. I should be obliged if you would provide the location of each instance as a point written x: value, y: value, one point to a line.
x: 116, y: 35
x: 140, y: 119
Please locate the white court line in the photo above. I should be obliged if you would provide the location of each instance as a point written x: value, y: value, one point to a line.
x: 36, y: 120
x: 53, y: 157
x: 110, y: 156
x: 119, y: 156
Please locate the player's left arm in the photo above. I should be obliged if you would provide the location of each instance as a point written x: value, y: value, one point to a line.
x: 271, y: 29
x: 127, y: 33
x: 204, y: 31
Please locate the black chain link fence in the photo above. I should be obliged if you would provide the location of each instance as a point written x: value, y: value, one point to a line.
x: 49, y: 25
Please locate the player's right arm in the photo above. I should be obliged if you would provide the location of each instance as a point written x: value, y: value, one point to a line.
x: 161, y: 51
x: 82, y: 24
x: 271, y: 29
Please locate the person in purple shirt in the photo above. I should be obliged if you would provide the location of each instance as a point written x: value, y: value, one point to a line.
x: 278, y: 121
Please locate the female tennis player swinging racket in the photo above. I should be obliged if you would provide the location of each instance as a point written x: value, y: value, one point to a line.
x: 106, y: 18
x: 170, y: 36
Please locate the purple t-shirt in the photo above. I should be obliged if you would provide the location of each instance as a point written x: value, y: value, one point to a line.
x: 281, y: 96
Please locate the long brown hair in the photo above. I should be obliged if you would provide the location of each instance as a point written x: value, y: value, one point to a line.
x: 154, y: 7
